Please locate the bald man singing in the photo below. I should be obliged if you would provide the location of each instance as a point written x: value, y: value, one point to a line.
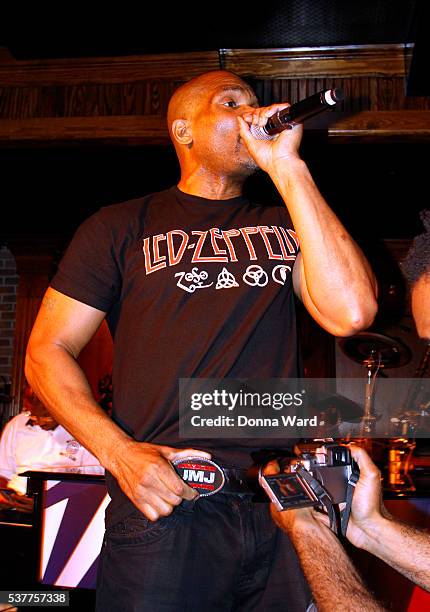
x: 195, y: 282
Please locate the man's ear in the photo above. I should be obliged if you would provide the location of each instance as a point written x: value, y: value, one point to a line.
x: 181, y: 132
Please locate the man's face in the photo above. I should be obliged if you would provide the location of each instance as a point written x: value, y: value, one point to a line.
x: 216, y: 139
x: 46, y: 422
x: 421, y: 307
x: 39, y: 414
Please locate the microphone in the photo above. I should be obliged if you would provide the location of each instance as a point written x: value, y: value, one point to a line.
x: 297, y: 113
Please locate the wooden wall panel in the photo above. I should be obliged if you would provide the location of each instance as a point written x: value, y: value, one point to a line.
x: 151, y: 97
x: 145, y: 98
x: 361, y: 93
x: 373, y: 78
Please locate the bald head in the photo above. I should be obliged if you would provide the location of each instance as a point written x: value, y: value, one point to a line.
x: 202, y: 120
x: 188, y: 95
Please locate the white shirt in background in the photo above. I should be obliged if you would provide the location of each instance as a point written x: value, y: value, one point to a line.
x: 29, y: 447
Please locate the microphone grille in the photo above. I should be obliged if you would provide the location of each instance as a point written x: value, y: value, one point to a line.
x: 259, y: 133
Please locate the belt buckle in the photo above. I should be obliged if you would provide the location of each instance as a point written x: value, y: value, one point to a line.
x: 201, y: 474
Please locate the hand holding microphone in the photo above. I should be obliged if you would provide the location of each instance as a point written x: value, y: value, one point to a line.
x: 259, y: 128
x: 297, y: 113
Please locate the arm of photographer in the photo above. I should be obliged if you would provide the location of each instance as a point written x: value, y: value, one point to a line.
x: 372, y: 528
x: 334, y: 581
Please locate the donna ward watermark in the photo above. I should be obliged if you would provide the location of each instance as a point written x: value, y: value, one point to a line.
x: 302, y: 408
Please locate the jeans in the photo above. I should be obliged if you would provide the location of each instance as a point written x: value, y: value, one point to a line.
x: 221, y: 553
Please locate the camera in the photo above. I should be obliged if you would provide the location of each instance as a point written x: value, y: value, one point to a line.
x: 320, y: 474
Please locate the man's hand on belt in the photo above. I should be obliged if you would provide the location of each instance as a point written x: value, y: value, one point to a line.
x: 146, y: 476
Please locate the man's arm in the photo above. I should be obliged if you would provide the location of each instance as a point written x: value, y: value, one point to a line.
x: 62, y: 328
x: 370, y: 527
x: 331, y: 276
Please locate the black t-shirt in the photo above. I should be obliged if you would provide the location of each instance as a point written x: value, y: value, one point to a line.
x: 192, y: 288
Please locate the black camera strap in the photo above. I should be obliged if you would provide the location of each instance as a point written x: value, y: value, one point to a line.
x: 338, y: 519
x: 344, y: 517
x: 323, y: 496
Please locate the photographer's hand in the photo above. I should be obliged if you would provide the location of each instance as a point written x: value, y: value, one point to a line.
x: 334, y: 581
x: 291, y: 521
x: 371, y: 527
x: 367, y: 509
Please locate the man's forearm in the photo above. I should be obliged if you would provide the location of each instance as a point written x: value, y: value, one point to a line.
x: 405, y: 548
x: 338, y: 277
x: 333, y: 579
x: 62, y: 386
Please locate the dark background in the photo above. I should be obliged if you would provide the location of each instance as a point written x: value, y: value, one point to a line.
x: 45, y: 30
x: 377, y: 190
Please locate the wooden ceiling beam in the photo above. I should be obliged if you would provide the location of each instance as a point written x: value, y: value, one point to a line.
x: 314, y: 62
x: 341, y: 61
x: 142, y: 129
x: 107, y: 70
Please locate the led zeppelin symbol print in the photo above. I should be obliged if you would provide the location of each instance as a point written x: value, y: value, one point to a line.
x: 195, y: 252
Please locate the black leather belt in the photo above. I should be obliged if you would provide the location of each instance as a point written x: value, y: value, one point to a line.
x: 210, y: 478
x: 236, y: 481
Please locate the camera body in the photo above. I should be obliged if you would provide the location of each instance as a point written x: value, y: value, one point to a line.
x: 331, y: 465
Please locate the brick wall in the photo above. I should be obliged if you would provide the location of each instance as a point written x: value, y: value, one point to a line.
x: 8, y: 289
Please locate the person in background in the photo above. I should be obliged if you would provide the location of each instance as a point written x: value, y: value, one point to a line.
x: 34, y: 440
x: 416, y: 269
